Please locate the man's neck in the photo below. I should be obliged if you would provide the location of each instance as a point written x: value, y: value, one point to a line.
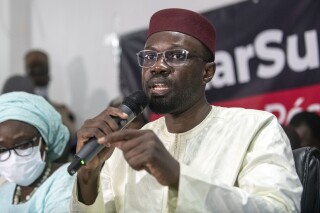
x: 187, y: 119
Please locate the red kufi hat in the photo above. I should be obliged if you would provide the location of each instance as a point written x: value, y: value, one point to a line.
x: 184, y: 21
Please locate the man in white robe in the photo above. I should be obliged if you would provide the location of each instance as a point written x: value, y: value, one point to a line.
x: 197, y: 157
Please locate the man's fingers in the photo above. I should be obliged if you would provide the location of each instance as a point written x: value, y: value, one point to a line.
x: 124, y: 135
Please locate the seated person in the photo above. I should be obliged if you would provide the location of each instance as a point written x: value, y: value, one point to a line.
x: 32, y: 136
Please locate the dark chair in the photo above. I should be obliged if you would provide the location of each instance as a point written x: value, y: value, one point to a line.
x: 307, y: 161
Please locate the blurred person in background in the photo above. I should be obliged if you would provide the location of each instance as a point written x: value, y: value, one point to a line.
x: 18, y: 83
x: 307, y: 125
x: 37, y: 68
x: 293, y: 136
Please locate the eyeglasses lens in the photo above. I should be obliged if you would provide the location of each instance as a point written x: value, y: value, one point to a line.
x: 23, y: 149
x: 148, y: 58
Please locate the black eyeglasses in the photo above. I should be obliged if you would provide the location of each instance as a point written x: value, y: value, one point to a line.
x: 23, y: 149
x: 174, y: 58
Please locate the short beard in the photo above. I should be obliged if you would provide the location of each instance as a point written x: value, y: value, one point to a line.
x: 161, y: 105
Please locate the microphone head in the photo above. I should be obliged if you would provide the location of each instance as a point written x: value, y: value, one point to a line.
x: 136, y: 101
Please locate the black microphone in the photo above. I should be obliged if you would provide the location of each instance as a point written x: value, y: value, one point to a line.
x: 132, y: 105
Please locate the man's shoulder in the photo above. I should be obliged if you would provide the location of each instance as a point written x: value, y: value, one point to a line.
x: 241, y: 113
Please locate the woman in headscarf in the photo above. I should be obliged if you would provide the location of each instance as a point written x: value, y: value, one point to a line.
x: 32, y: 137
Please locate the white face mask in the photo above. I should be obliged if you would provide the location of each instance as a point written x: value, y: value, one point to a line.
x: 23, y: 170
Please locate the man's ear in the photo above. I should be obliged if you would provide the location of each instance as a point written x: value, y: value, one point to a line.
x: 210, y: 69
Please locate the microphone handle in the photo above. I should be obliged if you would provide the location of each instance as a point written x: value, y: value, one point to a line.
x: 86, y: 154
x: 92, y: 147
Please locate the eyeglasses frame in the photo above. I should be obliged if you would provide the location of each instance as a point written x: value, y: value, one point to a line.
x: 163, y: 53
x: 33, y: 141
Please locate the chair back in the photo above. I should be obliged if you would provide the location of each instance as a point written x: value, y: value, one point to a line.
x: 307, y: 162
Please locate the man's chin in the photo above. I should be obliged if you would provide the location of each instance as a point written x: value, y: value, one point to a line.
x: 159, y: 108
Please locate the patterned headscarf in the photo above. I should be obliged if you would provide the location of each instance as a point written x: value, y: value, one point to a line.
x: 36, y: 111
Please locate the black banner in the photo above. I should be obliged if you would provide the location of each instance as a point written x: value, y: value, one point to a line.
x: 267, y: 47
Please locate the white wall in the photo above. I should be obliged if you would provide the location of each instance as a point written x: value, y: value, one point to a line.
x: 81, y: 38
x: 4, y: 40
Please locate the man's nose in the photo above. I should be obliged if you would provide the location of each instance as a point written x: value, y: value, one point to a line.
x: 161, y: 65
x: 161, y: 60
